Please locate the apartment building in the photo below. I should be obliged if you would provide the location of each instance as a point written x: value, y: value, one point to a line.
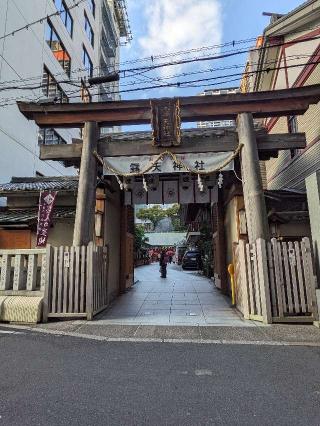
x: 218, y: 123
x: 287, y: 56
x: 50, y: 62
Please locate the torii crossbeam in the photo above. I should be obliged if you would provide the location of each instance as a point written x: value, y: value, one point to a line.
x: 166, y: 119
x: 274, y: 103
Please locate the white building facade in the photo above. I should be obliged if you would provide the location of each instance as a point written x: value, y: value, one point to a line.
x: 50, y: 62
x: 218, y: 123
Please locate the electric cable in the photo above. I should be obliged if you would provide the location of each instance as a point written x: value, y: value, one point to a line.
x: 176, y: 62
x: 155, y: 66
x: 190, y: 83
x: 40, y: 20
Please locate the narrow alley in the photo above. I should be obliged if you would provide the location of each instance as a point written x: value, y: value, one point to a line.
x: 183, y: 298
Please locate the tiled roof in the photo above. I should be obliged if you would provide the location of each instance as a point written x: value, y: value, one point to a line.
x: 186, y: 133
x: 158, y: 239
x: 27, y: 216
x: 23, y: 184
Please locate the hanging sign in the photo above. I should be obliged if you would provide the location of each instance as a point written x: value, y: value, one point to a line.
x: 200, y: 162
x: 46, y: 203
x: 165, y: 122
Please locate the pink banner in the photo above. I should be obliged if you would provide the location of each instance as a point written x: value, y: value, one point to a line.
x: 46, y: 203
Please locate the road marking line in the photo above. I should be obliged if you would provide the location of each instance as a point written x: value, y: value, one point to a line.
x: 160, y: 340
x: 203, y: 372
x: 10, y: 332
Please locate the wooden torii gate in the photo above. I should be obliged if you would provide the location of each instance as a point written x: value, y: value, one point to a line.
x: 165, y: 115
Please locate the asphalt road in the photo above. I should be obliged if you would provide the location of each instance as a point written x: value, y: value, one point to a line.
x: 62, y: 380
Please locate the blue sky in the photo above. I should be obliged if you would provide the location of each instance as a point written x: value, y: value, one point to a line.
x: 160, y: 27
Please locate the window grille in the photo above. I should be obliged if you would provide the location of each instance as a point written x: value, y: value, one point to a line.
x: 50, y: 137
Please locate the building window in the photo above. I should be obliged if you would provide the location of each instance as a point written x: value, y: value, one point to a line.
x: 92, y: 6
x: 50, y: 137
x: 87, y: 62
x: 65, y: 15
x: 57, y: 48
x: 88, y: 29
x: 51, y: 89
x: 293, y: 128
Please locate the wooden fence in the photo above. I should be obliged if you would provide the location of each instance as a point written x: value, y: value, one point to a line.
x: 22, y: 272
x: 275, y: 281
x: 76, y: 281
x: 99, y: 288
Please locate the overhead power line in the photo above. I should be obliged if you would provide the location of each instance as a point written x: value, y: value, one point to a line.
x: 81, y: 70
x: 235, y: 66
x: 215, y: 57
x: 190, y: 83
x: 179, y: 84
x: 154, y: 79
x: 232, y: 43
x: 144, y: 69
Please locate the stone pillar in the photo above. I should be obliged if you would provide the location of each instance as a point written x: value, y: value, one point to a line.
x: 256, y: 213
x: 313, y: 194
x: 84, y: 221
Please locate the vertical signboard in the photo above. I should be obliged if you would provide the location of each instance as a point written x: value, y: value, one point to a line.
x: 46, y: 203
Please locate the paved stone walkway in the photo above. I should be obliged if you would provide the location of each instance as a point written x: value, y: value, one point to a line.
x: 183, y: 298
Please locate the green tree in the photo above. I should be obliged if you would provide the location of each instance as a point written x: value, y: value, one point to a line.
x: 139, y: 237
x: 173, y: 211
x: 154, y: 213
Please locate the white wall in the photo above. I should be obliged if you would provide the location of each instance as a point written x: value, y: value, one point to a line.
x: 25, y: 54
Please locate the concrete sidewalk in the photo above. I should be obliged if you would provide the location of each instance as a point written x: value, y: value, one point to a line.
x: 183, y: 298
x: 185, y: 307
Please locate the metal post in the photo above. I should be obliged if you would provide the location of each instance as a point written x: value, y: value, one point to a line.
x: 84, y: 221
x: 256, y: 212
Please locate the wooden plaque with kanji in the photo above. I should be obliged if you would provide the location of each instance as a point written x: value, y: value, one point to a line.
x: 165, y: 121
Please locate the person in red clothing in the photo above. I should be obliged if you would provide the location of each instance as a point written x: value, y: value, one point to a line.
x: 170, y: 254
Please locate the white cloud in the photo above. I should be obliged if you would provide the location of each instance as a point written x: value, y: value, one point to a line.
x: 174, y: 25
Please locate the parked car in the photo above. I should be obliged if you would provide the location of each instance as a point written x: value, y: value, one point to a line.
x: 191, y: 260
x: 180, y: 250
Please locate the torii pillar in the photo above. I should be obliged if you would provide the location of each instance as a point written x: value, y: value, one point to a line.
x: 85, y: 210
x: 256, y: 212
